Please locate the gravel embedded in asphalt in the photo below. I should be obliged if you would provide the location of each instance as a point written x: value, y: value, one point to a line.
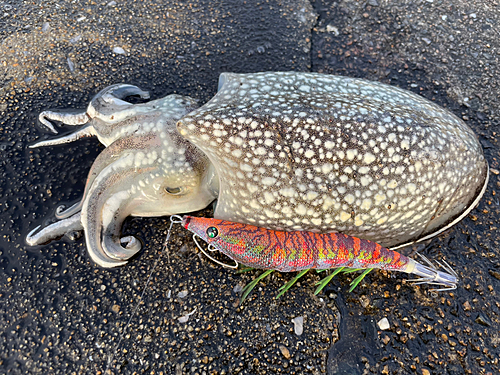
x: 61, y: 314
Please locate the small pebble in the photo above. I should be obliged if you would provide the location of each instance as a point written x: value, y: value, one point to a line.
x: 483, y: 320
x: 115, y: 308
x: 332, y: 29
x: 182, y: 294
x: 119, y: 50
x: 285, y: 351
x: 495, y: 274
x: 298, y: 325
x: 75, y: 39
x: 185, y: 318
x: 365, y: 301
x: 45, y: 27
x: 383, y: 324
x: 71, y: 65
x: 237, y: 288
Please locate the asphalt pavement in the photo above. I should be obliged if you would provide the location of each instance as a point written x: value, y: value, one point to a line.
x: 61, y: 314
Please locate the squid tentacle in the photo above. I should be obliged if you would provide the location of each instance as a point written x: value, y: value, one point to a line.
x: 86, y: 131
x: 39, y: 235
x: 63, y: 213
x: 72, y: 119
x: 109, y: 101
x: 103, y: 212
x: 104, y: 105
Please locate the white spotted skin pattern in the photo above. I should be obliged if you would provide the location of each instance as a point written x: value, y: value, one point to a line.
x: 305, y: 151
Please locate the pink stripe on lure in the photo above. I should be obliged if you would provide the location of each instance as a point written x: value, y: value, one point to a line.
x: 294, y: 251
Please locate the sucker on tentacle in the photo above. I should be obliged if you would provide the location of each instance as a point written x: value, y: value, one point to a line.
x: 295, y: 251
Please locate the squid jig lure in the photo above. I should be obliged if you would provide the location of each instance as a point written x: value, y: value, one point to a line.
x: 283, y: 251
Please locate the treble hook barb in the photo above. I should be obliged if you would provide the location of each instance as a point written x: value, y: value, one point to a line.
x: 432, y: 276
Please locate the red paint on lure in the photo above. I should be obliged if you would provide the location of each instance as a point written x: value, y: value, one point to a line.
x: 294, y: 251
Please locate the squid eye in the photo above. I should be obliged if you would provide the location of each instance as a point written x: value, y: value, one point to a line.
x: 173, y: 190
x: 212, y: 232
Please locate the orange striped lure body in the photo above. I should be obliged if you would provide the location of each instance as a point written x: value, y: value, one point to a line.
x: 294, y: 251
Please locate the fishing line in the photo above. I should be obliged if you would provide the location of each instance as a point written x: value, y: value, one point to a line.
x: 173, y: 220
